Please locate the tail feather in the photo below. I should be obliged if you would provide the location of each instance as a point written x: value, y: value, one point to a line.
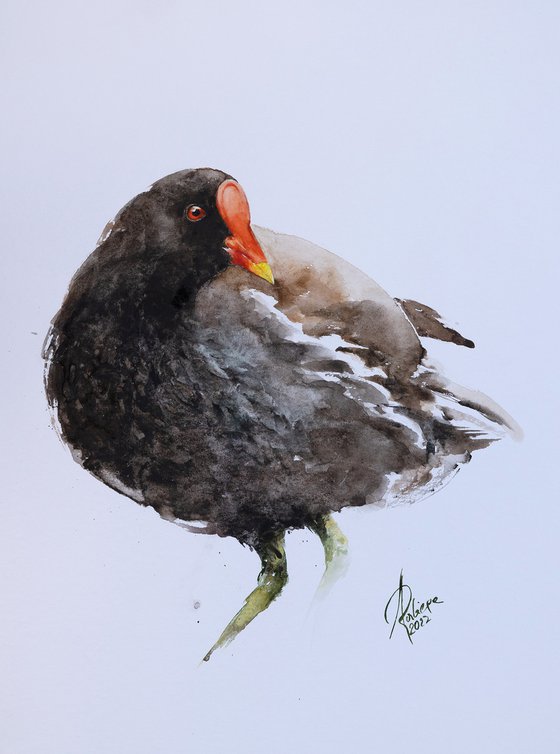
x: 477, y: 405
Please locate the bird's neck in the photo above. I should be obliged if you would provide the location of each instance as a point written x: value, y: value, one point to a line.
x: 170, y: 288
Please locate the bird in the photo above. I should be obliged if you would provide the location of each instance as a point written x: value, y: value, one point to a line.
x: 246, y: 383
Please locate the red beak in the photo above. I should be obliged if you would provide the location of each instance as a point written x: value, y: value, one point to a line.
x: 243, y: 247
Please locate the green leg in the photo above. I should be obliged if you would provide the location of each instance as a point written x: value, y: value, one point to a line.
x: 272, y: 579
x: 335, y: 546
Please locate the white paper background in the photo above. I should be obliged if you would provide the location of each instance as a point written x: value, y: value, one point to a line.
x: 418, y: 140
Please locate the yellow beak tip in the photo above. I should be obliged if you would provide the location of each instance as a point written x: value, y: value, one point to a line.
x: 262, y: 270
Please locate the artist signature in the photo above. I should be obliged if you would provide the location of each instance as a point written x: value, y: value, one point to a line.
x: 403, y: 610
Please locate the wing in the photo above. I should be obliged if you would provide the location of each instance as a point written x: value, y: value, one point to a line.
x: 429, y: 324
x: 329, y: 296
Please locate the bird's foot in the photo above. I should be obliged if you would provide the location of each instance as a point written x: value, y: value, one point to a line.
x: 335, y: 546
x: 272, y: 579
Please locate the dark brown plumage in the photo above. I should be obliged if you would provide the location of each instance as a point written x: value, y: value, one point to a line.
x: 215, y: 395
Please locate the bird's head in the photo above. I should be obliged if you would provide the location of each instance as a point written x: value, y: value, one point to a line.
x: 184, y: 230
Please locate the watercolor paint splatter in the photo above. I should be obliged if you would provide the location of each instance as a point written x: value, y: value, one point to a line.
x: 245, y: 383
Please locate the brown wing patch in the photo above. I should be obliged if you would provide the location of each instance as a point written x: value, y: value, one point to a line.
x: 428, y: 323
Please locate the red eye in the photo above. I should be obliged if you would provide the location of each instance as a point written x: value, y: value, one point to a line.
x: 195, y: 213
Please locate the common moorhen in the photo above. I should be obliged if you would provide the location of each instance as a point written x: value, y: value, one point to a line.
x: 245, y: 383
